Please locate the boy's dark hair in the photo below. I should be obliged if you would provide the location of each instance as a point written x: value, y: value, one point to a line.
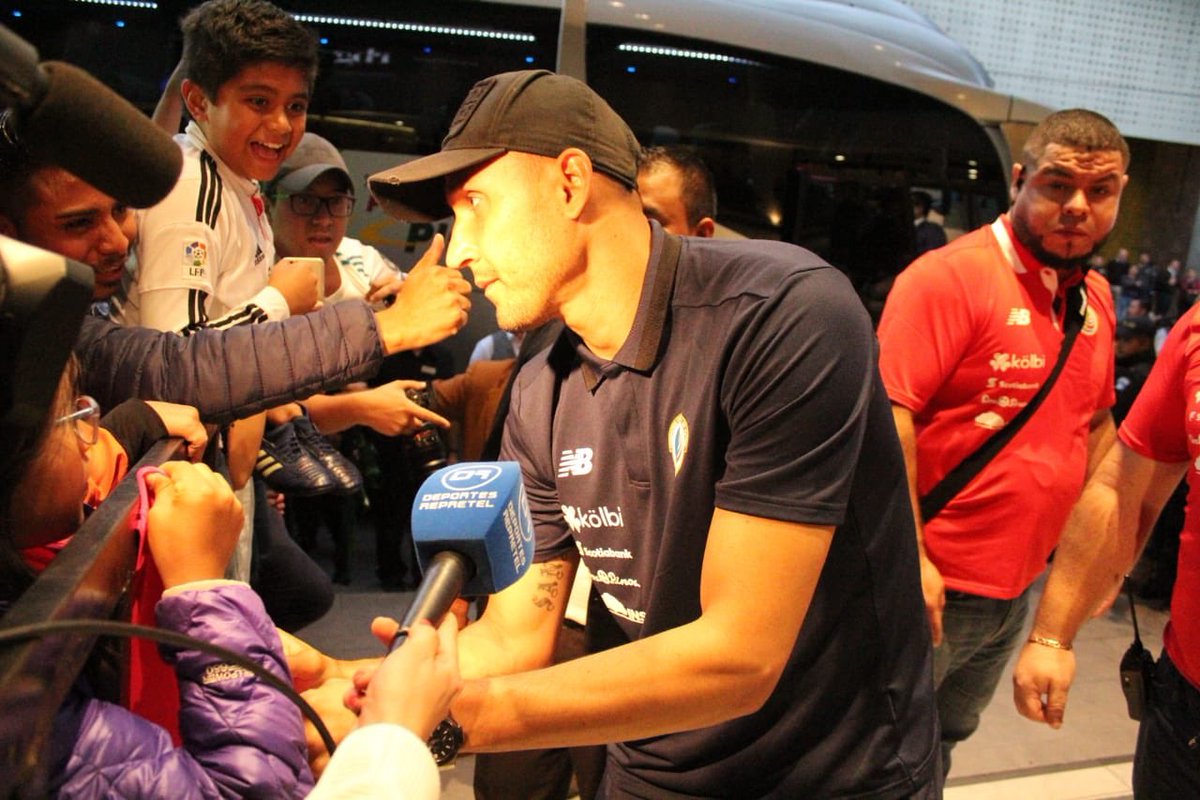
x: 699, y: 191
x: 222, y: 37
x: 1078, y: 128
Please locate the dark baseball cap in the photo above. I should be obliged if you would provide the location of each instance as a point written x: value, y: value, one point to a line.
x: 532, y: 111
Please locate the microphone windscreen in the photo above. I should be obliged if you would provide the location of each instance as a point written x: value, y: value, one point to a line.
x: 480, y: 511
x: 84, y: 127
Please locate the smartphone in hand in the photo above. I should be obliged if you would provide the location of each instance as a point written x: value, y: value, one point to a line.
x: 317, y: 266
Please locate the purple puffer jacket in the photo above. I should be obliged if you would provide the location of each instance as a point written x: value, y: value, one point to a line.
x: 241, y: 737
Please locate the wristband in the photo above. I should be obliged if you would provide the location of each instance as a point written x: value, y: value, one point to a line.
x: 1046, y: 641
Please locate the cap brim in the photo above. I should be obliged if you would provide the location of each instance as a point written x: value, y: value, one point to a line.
x: 416, y: 190
x: 300, y: 179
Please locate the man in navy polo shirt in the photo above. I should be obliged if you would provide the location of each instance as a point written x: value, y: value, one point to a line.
x: 711, y: 438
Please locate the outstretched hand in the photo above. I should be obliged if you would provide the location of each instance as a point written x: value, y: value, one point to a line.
x: 431, y: 304
x: 184, y: 422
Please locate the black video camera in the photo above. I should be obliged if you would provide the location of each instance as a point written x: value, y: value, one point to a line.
x: 426, y: 449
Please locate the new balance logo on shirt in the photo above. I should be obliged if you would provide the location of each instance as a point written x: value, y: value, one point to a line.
x: 1018, y: 316
x: 575, y: 462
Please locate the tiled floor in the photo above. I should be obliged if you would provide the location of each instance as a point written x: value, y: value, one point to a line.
x: 1009, y: 757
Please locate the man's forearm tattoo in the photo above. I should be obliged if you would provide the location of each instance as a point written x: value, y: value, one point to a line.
x: 551, y: 573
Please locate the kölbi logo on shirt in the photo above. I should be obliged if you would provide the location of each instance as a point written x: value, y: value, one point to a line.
x: 603, y: 517
x: 1003, y: 362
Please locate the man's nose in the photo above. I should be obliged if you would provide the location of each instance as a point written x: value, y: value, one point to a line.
x: 114, y: 238
x: 459, y: 252
x: 1076, y: 203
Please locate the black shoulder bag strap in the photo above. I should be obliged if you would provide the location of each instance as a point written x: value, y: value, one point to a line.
x: 937, y: 497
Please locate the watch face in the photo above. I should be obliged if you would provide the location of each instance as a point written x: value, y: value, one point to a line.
x: 445, y: 741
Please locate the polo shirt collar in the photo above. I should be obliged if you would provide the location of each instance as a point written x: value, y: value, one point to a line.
x: 1025, y: 262
x: 643, y: 346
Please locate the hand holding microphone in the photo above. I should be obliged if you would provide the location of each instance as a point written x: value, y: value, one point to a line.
x: 473, y: 533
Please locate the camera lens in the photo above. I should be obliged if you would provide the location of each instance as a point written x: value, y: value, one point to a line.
x: 425, y: 450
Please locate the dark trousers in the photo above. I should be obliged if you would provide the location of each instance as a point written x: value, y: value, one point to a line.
x: 1166, y: 765
x: 543, y: 774
x: 294, y: 589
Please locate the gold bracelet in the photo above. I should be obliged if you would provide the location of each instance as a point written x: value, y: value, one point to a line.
x: 1046, y: 641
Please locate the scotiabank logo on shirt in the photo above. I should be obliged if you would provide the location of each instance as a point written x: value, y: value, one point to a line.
x: 1003, y: 362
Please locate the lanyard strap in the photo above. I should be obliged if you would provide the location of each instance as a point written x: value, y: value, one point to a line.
x: 954, y: 481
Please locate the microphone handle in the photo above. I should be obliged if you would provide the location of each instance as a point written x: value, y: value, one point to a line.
x: 444, y: 579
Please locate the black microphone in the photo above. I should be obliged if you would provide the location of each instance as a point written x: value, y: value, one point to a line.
x: 473, y: 533
x: 68, y: 118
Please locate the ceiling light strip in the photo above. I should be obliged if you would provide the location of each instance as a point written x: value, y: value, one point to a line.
x: 142, y: 4
x: 675, y: 52
x: 413, y: 27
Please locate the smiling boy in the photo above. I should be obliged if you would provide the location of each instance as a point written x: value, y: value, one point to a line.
x: 205, y: 254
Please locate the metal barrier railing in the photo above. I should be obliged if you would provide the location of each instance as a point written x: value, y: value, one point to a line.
x: 86, y: 581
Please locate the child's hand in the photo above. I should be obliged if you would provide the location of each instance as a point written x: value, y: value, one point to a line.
x: 184, y: 422
x: 194, y: 523
x: 296, y: 282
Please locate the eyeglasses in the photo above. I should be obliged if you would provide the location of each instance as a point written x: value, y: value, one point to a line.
x: 308, y: 205
x: 85, y: 419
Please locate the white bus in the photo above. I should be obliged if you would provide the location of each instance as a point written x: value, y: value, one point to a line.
x: 817, y: 117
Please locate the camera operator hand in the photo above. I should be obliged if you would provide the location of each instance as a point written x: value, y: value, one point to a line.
x: 431, y: 304
x: 386, y: 409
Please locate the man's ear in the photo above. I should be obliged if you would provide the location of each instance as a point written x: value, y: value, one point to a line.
x: 195, y: 100
x: 8, y: 227
x: 705, y: 228
x: 575, y: 176
x: 1018, y: 180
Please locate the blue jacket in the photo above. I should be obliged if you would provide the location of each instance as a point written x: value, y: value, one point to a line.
x: 241, y: 737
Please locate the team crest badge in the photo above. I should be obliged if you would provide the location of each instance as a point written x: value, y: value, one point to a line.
x: 1090, y: 322
x: 677, y: 440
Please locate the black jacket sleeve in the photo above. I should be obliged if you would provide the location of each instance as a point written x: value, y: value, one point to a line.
x: 135, y: 426
x: 234, y: 373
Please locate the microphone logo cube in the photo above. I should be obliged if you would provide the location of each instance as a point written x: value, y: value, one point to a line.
x: 480, y: 511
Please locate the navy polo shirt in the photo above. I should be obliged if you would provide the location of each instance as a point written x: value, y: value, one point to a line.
x: 748, y: 382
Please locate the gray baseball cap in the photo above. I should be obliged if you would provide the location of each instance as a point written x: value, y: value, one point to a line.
x: 532, y: 111
x: 311, y: 159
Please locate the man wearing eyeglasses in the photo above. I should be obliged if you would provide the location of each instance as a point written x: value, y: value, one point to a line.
x: 310, y: 201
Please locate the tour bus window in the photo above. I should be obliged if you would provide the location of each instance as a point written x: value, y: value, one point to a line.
x: 811, y: 154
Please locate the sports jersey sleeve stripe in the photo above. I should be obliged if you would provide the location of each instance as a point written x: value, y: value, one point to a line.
x: 246, y: 315
x: 208, y: 203
x: 201, y: 196
x: 197, y: 315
